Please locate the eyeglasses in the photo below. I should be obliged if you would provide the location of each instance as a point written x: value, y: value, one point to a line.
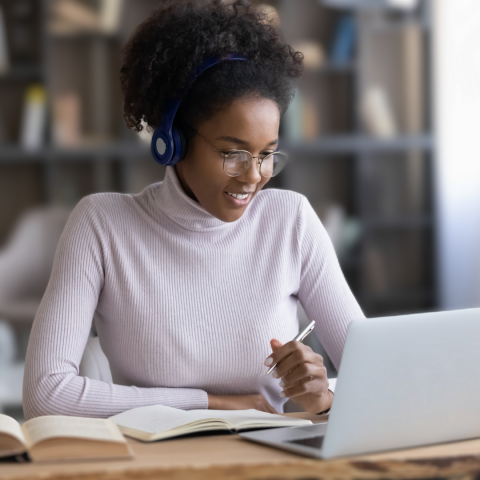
x: 237, y: 162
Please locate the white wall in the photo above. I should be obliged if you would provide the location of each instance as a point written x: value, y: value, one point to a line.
x: 457, y: 118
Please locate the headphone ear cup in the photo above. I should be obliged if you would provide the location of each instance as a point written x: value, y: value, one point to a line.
x: 179, y: 146
x: 161, y: 147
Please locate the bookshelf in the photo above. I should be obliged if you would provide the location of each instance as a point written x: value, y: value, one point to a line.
x: 383, y: 185
x: 84, y: 61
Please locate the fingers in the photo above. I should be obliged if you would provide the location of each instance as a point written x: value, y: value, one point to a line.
x: 299, y: 356
x: 282, y: 352
x: 311, y: 385
x: 304, y: 372
x: 297, y: 390
x: 275, y: 344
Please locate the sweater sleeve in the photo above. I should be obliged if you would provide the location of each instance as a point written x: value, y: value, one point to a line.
x: 52, y: 385
x: 324, y: 292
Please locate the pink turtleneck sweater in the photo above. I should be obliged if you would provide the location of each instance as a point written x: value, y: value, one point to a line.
x: 184, y: 303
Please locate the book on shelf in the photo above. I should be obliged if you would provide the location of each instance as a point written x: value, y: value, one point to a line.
x: 292, y: 120
x: 369, y: 4
x: 376, y: 273
x: 343, y: 45
x: 314, y: 56
x: 158, y: 422
x: 403, y: 4
x: 414, y: 112
x: 302, y: 119
x: 71, y: 16
x: 4, y: 57
x: 66, y: 128
x: 110, y: 15
x: 58, y: 438
x: 377, y: 113
x: 34, y: 119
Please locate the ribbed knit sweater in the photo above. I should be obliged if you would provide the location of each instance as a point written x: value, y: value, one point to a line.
x: 184, y: 303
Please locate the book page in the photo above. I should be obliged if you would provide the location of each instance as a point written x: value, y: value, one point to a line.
x: 155, y: 418
x: 242, y: 418
x: 43, y: 428
x: 11, y: 427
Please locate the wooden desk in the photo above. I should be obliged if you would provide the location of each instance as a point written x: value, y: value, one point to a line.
x: 229, y: 457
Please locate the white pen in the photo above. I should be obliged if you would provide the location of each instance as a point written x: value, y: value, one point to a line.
x: 298, y: 338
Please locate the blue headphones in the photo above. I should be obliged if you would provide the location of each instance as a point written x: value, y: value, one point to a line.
x: 169, y: 145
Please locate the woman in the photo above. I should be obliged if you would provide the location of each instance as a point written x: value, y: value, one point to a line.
x: 192, y: 278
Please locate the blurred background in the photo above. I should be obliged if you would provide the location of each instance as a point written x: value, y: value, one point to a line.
x: 381, y: 136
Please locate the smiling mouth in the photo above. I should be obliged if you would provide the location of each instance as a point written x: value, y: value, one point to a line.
x: 240, y: 196
x: 239, y: 200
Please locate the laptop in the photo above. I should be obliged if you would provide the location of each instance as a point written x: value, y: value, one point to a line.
x: 404, y: 381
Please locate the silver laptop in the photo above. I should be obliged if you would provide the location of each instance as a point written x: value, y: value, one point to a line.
x: 404, y: 381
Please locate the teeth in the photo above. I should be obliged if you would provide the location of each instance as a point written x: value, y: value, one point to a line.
x: 238, y: 195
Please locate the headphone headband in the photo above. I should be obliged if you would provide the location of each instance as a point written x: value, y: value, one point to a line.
x: 168, y: 145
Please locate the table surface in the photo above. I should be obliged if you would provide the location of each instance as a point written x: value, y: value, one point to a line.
x: 228, y: 456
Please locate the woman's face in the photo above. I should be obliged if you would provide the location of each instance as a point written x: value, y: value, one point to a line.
x: 247, y: 124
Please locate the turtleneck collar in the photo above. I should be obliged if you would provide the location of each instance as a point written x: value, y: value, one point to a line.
x: 176, y: 205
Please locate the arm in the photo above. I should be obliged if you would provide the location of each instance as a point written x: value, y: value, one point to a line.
x: 327, y: 299
x: 61, y: 328
x: 324, y: 292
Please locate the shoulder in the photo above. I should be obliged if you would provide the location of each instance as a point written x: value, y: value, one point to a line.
x: 103, y: 215
x: 287, y: 210
x: 113, y: 205
x: 291, y: 209
x: 285, y: 203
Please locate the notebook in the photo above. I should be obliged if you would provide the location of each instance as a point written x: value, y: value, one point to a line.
x: 158, y: 422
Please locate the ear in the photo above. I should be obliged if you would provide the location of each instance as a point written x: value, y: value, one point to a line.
x: 275, y: 344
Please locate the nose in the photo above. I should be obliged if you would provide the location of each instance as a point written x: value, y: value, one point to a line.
x: 252, y: 174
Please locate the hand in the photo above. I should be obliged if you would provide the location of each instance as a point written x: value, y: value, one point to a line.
x: 303, y: 375
x: 239, y: 402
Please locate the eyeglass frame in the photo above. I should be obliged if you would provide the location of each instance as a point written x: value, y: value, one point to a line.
x: 259, y: 159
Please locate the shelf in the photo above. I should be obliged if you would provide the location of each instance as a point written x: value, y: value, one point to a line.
x: 47, y: 154
x: 328, y: 67
x: 334, y: 144
x: 22, y: 72
x: 360, y: 144
x: 83, y: 35
x: 399, y: 222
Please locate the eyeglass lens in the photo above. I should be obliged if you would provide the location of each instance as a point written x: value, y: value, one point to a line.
x: 236, y: 163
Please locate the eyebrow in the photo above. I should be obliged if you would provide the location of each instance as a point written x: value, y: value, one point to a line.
x: 239, y: 141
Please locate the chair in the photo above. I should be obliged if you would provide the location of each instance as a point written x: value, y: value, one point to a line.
x: 26, y: 262
x: 94, y: 363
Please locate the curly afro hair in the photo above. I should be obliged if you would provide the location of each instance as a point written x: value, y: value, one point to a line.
x: 178, y: 36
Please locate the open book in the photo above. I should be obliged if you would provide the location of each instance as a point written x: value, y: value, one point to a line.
x: 62, y: 438
x: 158, y: 422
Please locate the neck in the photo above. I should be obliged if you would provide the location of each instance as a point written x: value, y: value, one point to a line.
x: 181, y: 178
